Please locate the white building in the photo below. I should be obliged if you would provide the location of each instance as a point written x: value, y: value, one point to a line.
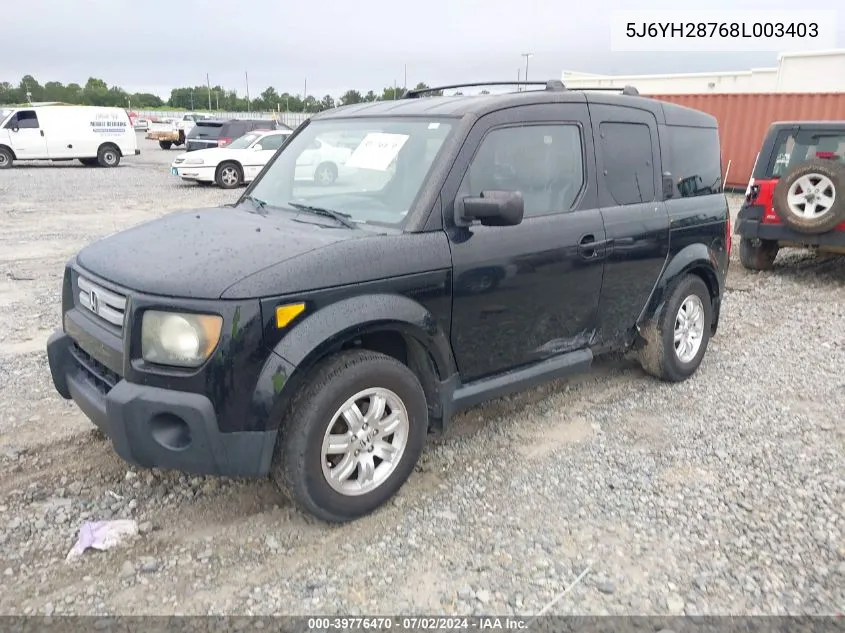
x: 817, y: 71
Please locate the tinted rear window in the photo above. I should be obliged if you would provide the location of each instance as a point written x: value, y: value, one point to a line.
x: 794, y: 148
x: 696, y: 161
x: 204, y: 129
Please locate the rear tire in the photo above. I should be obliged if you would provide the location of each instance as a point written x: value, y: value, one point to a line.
x: 756, y: 254
x: 108, y: 156
x: 6, y: 158
x: 165, y: 144
x: 676, y: 341
x: 325, y: 462
x: 229, y: 175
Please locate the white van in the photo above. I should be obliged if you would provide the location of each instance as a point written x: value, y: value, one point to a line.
x: 94, y: 135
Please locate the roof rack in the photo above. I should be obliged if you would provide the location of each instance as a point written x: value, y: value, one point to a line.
x: 552, y: 85
x: 625, y: 90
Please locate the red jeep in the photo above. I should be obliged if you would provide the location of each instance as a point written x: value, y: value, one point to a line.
x: 796, y: 195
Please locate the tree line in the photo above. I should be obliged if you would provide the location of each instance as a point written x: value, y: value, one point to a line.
x: 98, y: 93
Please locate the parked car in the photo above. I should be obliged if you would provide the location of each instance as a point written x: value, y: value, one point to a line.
x: 142, y: 124
x: 230, y: 166
x: 796, y: 195
x: 314, y: 333
x: 93, y: 135
x: 208, y: 133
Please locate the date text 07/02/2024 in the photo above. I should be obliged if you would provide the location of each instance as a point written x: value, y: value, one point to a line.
x: 721, y: 29
x: 418, y: 623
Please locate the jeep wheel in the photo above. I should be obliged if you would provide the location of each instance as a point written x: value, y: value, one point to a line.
x: 756, y: 254
x: 325, y: 174
x: 165, y: 144
x: 676, y: 341
x: 811, y: 198
x: 352, y: 436
x: 108, y: 156
x: 229, y: 175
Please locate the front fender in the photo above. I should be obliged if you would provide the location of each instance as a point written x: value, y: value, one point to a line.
x: 333, y: 325
x: 695, y: 258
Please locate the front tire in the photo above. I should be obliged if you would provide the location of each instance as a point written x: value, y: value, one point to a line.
x: 675, y: 343
x: 325, y: 174
x: 6, y: 158
x: 229, y: 175
x: 757, y: 254
x: 352, y: 436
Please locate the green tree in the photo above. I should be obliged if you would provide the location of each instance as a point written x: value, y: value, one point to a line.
x: 326, y: 103
x: 350, y: 97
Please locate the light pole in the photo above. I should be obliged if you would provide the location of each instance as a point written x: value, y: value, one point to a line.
x: 527, y: 56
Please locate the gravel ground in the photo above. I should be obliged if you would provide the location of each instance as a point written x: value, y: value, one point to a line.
x: 724, y: 494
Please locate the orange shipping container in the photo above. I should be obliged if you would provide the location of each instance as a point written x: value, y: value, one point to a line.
x: 744, y: 119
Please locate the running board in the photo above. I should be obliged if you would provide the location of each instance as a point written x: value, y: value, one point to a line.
x: 474, y: 393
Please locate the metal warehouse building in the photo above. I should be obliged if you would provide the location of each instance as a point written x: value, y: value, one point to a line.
x: 804, y: 86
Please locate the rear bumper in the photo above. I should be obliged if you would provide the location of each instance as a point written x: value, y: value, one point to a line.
x: 749, y: 224
x: 157, y: 428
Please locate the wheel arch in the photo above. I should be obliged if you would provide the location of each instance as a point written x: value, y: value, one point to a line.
x: 111, y: 144
x: 696, y: 260
x: 393, y: 325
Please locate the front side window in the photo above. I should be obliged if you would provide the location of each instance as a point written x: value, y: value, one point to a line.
x: 696, y: 161
x: 545, y: 163
x: 272, y: 141
x: 794, y: 148
x: 24, y: 119
x: 374, y: 180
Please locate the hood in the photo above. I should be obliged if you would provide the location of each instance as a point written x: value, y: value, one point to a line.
x: 199, y: 253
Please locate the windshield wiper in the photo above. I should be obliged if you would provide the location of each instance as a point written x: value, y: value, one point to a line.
x: 260, y: 204
x: 343, y: 218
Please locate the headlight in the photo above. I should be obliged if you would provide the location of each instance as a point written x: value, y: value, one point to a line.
x: 193, y: 161
x: 186, y: 340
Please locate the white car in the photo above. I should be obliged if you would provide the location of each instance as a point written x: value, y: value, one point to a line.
x: 241, y: 161
x: 233, y: 165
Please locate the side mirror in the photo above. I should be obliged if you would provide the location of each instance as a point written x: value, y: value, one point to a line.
x: 492, y: 208
x: 257, y: 147
x: 16, y: 129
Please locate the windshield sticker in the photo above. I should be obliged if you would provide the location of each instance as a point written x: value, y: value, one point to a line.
x: 377, y: 151
x: 433, y: 126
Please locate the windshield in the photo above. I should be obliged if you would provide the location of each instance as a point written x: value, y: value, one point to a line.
x: 243, y: 142
x: 370, y: 170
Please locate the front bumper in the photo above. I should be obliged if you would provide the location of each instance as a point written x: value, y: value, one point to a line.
x: 749, y: 224
x: 153, y: 427
x: 203, y: 173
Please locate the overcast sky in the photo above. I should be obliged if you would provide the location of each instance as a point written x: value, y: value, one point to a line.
x: 335, y: 45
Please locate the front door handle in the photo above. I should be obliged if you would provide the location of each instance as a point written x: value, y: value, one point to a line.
x: 589, y: 247
x: 42, y: 132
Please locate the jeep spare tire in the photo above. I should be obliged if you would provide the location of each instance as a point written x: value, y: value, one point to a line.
x: 811, y: 198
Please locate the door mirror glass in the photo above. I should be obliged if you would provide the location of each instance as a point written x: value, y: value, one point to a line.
x: 492, y: 208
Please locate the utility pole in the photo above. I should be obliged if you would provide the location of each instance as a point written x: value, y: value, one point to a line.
x: 405, y: 87
x: 248, y: 104
x: 192, y: 99
x: 208, y: 83
x: 518, y: 76
x: 527, y: 56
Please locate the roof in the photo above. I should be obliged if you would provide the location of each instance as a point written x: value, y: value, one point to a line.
x: 479, y: 105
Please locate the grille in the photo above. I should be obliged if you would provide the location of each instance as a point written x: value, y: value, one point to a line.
x: 104, y: 304
x: 100, y: 376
